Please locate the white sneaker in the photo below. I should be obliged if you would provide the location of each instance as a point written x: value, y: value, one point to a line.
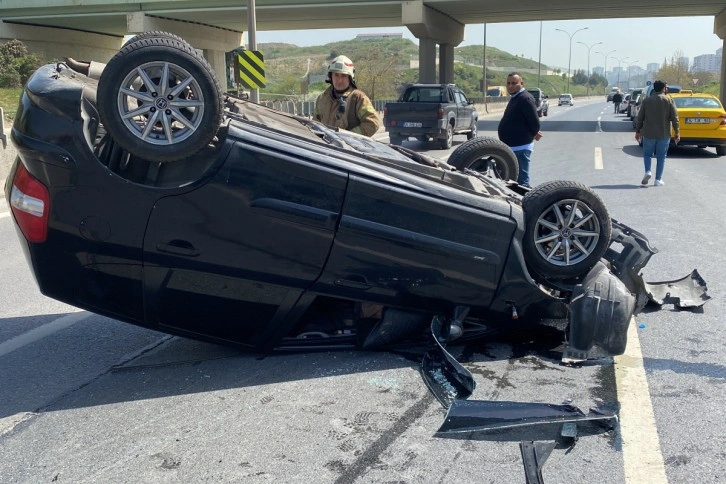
x: 646, y: 178
x: 659, y: 183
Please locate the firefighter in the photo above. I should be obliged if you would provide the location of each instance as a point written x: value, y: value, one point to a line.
x: 342, y: 104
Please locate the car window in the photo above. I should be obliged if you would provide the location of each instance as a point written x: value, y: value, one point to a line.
x: 696, y: 102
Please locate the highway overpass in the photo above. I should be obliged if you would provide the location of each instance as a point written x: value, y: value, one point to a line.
x: 93, y: 29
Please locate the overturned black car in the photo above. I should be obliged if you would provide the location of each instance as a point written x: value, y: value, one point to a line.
x: 144, y: 193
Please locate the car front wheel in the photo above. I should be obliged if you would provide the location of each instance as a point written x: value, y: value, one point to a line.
x: 159, y: 99
x: 567, y: 230
x: 486, y: 155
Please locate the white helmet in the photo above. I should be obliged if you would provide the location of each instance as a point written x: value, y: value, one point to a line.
x: 343, y: 65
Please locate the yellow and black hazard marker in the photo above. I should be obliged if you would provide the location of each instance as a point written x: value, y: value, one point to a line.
x: 251, y: 68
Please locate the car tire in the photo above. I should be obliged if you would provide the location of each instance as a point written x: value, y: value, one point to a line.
x: 721, y: 150
x: 185, y: 120
x: 546, y: 112
x: 448, y: 142
x: 567, y: 230
x: 473, y: 130
x: 483, y: 154
x: 150, y: 34
x: 395, y: 140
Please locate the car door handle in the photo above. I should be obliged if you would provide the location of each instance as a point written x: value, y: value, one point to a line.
x: 178, y: 247
x: 353, y: 284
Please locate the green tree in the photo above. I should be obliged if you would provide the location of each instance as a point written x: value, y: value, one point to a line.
x: 16, y: 64
x: 579, y: 77
x: 675, y: 71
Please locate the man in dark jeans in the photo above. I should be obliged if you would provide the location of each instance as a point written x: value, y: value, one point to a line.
x: 617, y: 99
x: 519, y: 126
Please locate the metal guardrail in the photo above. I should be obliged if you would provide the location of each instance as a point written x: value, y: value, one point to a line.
x: 306, y: 108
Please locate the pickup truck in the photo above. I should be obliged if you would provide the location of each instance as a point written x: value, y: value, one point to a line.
x: 424, y: 111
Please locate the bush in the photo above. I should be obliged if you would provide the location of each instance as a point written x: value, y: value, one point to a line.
x: 9, y: 77
x: 16, y: 64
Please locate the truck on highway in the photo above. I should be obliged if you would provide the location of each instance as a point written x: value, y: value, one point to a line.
x: 430, y: 111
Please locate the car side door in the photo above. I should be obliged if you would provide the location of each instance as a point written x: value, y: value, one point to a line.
x: 417, y: 247
x: 229, y: 259
x: 464, y: 110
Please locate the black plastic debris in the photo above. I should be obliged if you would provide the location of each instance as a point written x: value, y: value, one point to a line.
x: 686, y: 292
x: 444, y: 376
x: 534, y: 455
x: 484, y: 416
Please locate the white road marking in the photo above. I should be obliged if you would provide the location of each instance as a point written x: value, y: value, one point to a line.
x: 41, y: 332
x: 598, y: 158
x: 642, y: 455
x: 599, y: 126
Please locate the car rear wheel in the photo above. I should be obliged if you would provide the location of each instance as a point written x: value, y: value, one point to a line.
x: 721, y: 150
x: 567, y: 230
x: 159, y: 99
x: 395, y: 140
x: 447, y: 143
x: 155, y: 34
x: 474, y: 130
x: 484, y: 154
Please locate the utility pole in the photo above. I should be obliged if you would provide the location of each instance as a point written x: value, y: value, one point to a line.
x: 252, y: 41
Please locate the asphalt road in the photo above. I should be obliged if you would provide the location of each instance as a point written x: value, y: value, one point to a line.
x: 87, y: 399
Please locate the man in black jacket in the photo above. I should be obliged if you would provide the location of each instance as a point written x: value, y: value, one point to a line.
x: 519, y: 126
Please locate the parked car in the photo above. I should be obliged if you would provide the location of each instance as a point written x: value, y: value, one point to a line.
x: 624, y: 105
x: 702, y: 121
x: 565, y: 99
x: 542, y: 100
x: 634, y: 94
x: 144, y: 193
x: 424, y: 111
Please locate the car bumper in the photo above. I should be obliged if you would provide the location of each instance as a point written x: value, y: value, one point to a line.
x: 689, y: 141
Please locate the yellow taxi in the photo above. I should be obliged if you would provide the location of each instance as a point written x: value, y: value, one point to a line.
x: 702, y: 120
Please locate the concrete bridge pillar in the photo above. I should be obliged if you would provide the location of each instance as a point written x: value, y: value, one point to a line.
x: 432, y: 27
x: 719, y: 28
x: 427, y: 60
x: 446, y: 63
x: 54, y: 44
x: 212, y: 41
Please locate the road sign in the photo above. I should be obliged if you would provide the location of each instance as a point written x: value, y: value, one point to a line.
x: 251, y: 67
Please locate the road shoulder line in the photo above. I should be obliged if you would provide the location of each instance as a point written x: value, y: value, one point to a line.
x: 642, y: 456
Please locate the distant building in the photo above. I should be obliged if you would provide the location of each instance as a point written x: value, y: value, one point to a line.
x: 391, y: 35
x: 708, y: 62
x: 652, y: 67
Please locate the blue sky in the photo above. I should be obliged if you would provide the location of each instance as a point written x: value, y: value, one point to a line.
x: 636, y: 41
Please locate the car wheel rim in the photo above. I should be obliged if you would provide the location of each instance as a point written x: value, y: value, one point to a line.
x: 566, y: 233
x: 161, y: 103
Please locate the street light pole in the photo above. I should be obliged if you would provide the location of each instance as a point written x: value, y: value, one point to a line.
x: 569, y: 61
x: 605, y: 73
x: 588, y: 63
x: 619, y: 69
x: 630, y: 64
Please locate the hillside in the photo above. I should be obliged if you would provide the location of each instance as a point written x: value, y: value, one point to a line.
x: 383, y: 65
